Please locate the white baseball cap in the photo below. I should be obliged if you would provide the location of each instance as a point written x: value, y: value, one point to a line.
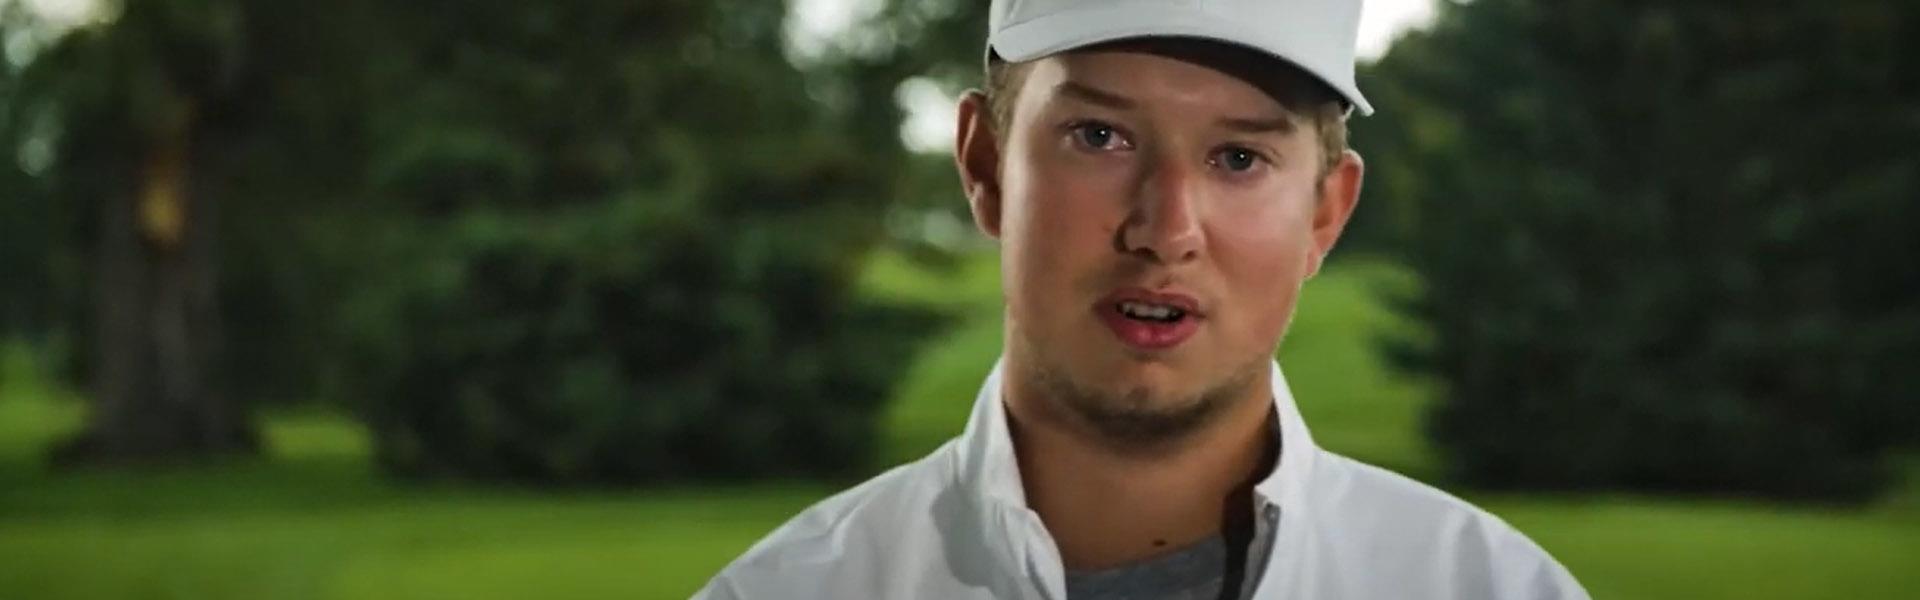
x: 1315, y: 35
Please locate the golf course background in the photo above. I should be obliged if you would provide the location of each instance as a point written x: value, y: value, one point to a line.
x: 311, y: 519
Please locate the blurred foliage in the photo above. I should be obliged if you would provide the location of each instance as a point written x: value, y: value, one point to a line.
x: 634, y: 245
x: 1666, y: 245
x: 630, y: 251
x: 590, y: 240
x: 125, y: 140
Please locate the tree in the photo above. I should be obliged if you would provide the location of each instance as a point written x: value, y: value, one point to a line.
x: 587, y: 241
x: 172, y: 143
x: 1667, y: 245
x: 623, y: 241
x: 129, y: 102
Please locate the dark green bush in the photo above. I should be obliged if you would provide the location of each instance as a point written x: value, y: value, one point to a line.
x: 629, y: 344
x: 1667, y: 245
x: 621, y: 247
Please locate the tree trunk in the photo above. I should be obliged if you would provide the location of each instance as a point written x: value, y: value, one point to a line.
x: 156, y: 389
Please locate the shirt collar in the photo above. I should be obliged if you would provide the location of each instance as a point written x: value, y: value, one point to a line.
x: 989, y: 469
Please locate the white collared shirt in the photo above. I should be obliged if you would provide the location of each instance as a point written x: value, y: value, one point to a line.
x: 955, y: 524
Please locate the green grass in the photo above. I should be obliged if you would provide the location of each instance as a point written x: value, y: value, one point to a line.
x: 311, y: 521
x: 1623, y: 547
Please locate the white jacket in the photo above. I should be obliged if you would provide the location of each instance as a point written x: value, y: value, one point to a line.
x: 956, y: 525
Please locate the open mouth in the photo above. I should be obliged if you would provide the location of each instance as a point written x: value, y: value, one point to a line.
x: 1151, y: 312
x: 1150, y: 321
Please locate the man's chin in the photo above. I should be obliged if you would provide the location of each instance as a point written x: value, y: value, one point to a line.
x: 1141, y: 416
x: 1158, y: 372
x: 1147, y: 386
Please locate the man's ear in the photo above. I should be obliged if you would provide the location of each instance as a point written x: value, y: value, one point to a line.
x: 976, y: 151
x: 1339, y: 194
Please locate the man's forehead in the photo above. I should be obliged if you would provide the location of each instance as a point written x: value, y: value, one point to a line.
x: 1109, y: 67
x: 1120, y: 80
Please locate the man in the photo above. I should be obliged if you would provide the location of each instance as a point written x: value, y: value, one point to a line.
x: 1162, y: 176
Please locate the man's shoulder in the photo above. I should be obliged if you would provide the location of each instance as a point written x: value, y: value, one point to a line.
x: 1363, y: 487
x: 844, y: 538
x: 1392, y: 518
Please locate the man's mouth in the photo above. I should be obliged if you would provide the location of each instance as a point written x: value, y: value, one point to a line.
x: 1146, y: 321
x: 1144, y: 311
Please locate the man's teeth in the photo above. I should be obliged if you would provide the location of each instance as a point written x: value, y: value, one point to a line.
x: 1142, y: 310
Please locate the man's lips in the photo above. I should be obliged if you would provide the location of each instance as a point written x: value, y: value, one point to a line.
x: 1149, y: 334
x: 1145, y: 296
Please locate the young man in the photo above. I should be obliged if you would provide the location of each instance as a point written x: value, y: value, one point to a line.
x: 1162, y: 176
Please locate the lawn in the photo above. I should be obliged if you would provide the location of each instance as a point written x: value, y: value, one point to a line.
x: 311, y: 521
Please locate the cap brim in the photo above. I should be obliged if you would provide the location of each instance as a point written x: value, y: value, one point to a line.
x: 1061, y: 32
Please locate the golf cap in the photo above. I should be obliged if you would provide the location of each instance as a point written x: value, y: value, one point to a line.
x: 1316, y: 35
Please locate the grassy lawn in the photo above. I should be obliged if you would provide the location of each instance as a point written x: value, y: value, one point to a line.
x: 312, y: 521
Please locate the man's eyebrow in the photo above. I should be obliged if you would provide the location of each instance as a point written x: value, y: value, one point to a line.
x: 1282, y: 125
x: 1093, y: 95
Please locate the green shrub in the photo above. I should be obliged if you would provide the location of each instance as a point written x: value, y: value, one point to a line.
x: 1668, y: 245
x: 624, y: 344
x: 621, y: 245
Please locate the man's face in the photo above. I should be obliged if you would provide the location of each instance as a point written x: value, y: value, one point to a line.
x: 1157, y: 218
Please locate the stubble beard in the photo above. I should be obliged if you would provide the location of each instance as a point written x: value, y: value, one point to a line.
x: 1138, y: 420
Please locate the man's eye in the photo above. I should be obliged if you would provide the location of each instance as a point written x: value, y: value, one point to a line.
x: 1236, y: 159
x: 1099, y: 136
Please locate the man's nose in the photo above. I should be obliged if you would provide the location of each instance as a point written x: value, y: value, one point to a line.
x: 1163, y: 224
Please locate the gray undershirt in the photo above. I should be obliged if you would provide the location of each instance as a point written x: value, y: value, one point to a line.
x: 1195, y: 572
x: 1203, y: 571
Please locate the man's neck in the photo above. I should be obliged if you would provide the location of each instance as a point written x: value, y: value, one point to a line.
x: 1105, y: 508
